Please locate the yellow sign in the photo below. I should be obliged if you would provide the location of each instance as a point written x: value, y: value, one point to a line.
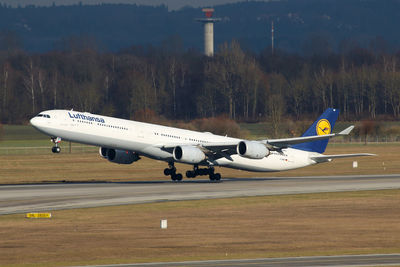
x: 38, y: 215
x: 323, y: 127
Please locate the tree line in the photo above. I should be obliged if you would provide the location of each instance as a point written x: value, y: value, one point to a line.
x: 142, y: 82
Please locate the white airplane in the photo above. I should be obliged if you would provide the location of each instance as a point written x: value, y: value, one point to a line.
x: 124, y: 141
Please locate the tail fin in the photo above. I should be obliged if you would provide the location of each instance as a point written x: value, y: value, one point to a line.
x: 323, y: 125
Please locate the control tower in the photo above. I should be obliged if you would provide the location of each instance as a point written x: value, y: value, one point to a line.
x: 208, y: 22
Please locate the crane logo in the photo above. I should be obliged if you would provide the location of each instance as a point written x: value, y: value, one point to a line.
x: 323, y: 127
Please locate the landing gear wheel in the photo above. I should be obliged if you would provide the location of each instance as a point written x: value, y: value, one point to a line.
x: 56, y: 141
x: 204, y: 171
x: 178, y: 177
x: 215, y: 177
x: 171, y: 170
x: 56, y: 149
x: 190, y: 174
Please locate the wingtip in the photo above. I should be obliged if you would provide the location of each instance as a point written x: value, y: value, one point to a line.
x: 347, y: 130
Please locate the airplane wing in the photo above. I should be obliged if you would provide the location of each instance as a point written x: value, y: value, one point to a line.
x: 326, y: 158
x: 215, y: 151
x: 220, y: 151
x: 286, y: 142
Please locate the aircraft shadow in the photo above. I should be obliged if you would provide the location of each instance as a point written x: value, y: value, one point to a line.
x: 185, y: 181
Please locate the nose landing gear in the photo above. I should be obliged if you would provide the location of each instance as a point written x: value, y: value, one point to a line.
x: 56, y: 141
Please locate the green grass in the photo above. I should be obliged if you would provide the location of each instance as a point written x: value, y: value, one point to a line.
x: 21, y: 132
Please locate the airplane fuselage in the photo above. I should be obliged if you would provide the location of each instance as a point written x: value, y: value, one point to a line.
x: 150, y: 139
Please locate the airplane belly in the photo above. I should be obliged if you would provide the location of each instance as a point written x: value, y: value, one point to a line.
x: 272, y: 163
x: 153, y: 152
x: 122, y: 142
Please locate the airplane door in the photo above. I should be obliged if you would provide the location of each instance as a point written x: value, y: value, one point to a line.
x: 140, y: 133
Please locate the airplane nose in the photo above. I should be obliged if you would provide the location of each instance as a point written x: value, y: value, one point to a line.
x: 33, y: 121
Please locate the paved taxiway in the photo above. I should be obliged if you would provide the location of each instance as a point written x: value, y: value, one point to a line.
x: 47, y: 197
x: 347, y: 260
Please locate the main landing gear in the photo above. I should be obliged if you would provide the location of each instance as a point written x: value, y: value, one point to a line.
x: 203, y: 171
x: 171, y: 170
x: 56, y: 141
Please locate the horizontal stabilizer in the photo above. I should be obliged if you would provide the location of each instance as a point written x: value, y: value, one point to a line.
x: 347, y: 130
x: 325, y: 158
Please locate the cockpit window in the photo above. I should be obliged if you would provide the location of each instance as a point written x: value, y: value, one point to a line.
x: 43, y: 115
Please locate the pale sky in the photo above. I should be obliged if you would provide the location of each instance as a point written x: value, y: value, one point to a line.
x: 172, y: 4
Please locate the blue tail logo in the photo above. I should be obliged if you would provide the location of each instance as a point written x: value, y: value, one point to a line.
x: 323, y: 125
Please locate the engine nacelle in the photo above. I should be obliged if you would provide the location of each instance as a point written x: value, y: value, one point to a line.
x: 103, y: 152
x: 252, y: 150
x: 188, y: 154
x: 118, y: 156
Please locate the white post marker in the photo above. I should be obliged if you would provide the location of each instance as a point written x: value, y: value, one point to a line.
x: 355, y: 164
x: 164, y: 224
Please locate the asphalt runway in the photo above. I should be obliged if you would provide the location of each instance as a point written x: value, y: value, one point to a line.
x: 48, y: 197
x: 347, y: 260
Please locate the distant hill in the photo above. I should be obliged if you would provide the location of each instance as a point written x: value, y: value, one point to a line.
x: 305, y: 26
x: 172, y: 4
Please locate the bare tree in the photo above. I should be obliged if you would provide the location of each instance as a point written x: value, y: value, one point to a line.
x: 250, y: 83
x: 297, y: 90
x: 55, y: 86
x: 343, y: 84
x: 392, y: 83
x: 275, y: 104
x: 172, y: 82
x: 276, y: 110
x: 42, y: 82
x: 324, y: 86
x: 5, y: 77
x: 29, y: 82
x: 371, y: 91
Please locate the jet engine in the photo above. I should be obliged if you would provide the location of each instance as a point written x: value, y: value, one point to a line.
x: 119, y: 156
x: 252, y: 150
x: 188, y: 154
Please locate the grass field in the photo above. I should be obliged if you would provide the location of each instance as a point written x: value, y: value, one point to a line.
x: 91, y: 167
x: 273, y: 226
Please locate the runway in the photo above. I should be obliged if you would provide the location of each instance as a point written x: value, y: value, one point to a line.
x: 48, y: 197
x: 346, y: 260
